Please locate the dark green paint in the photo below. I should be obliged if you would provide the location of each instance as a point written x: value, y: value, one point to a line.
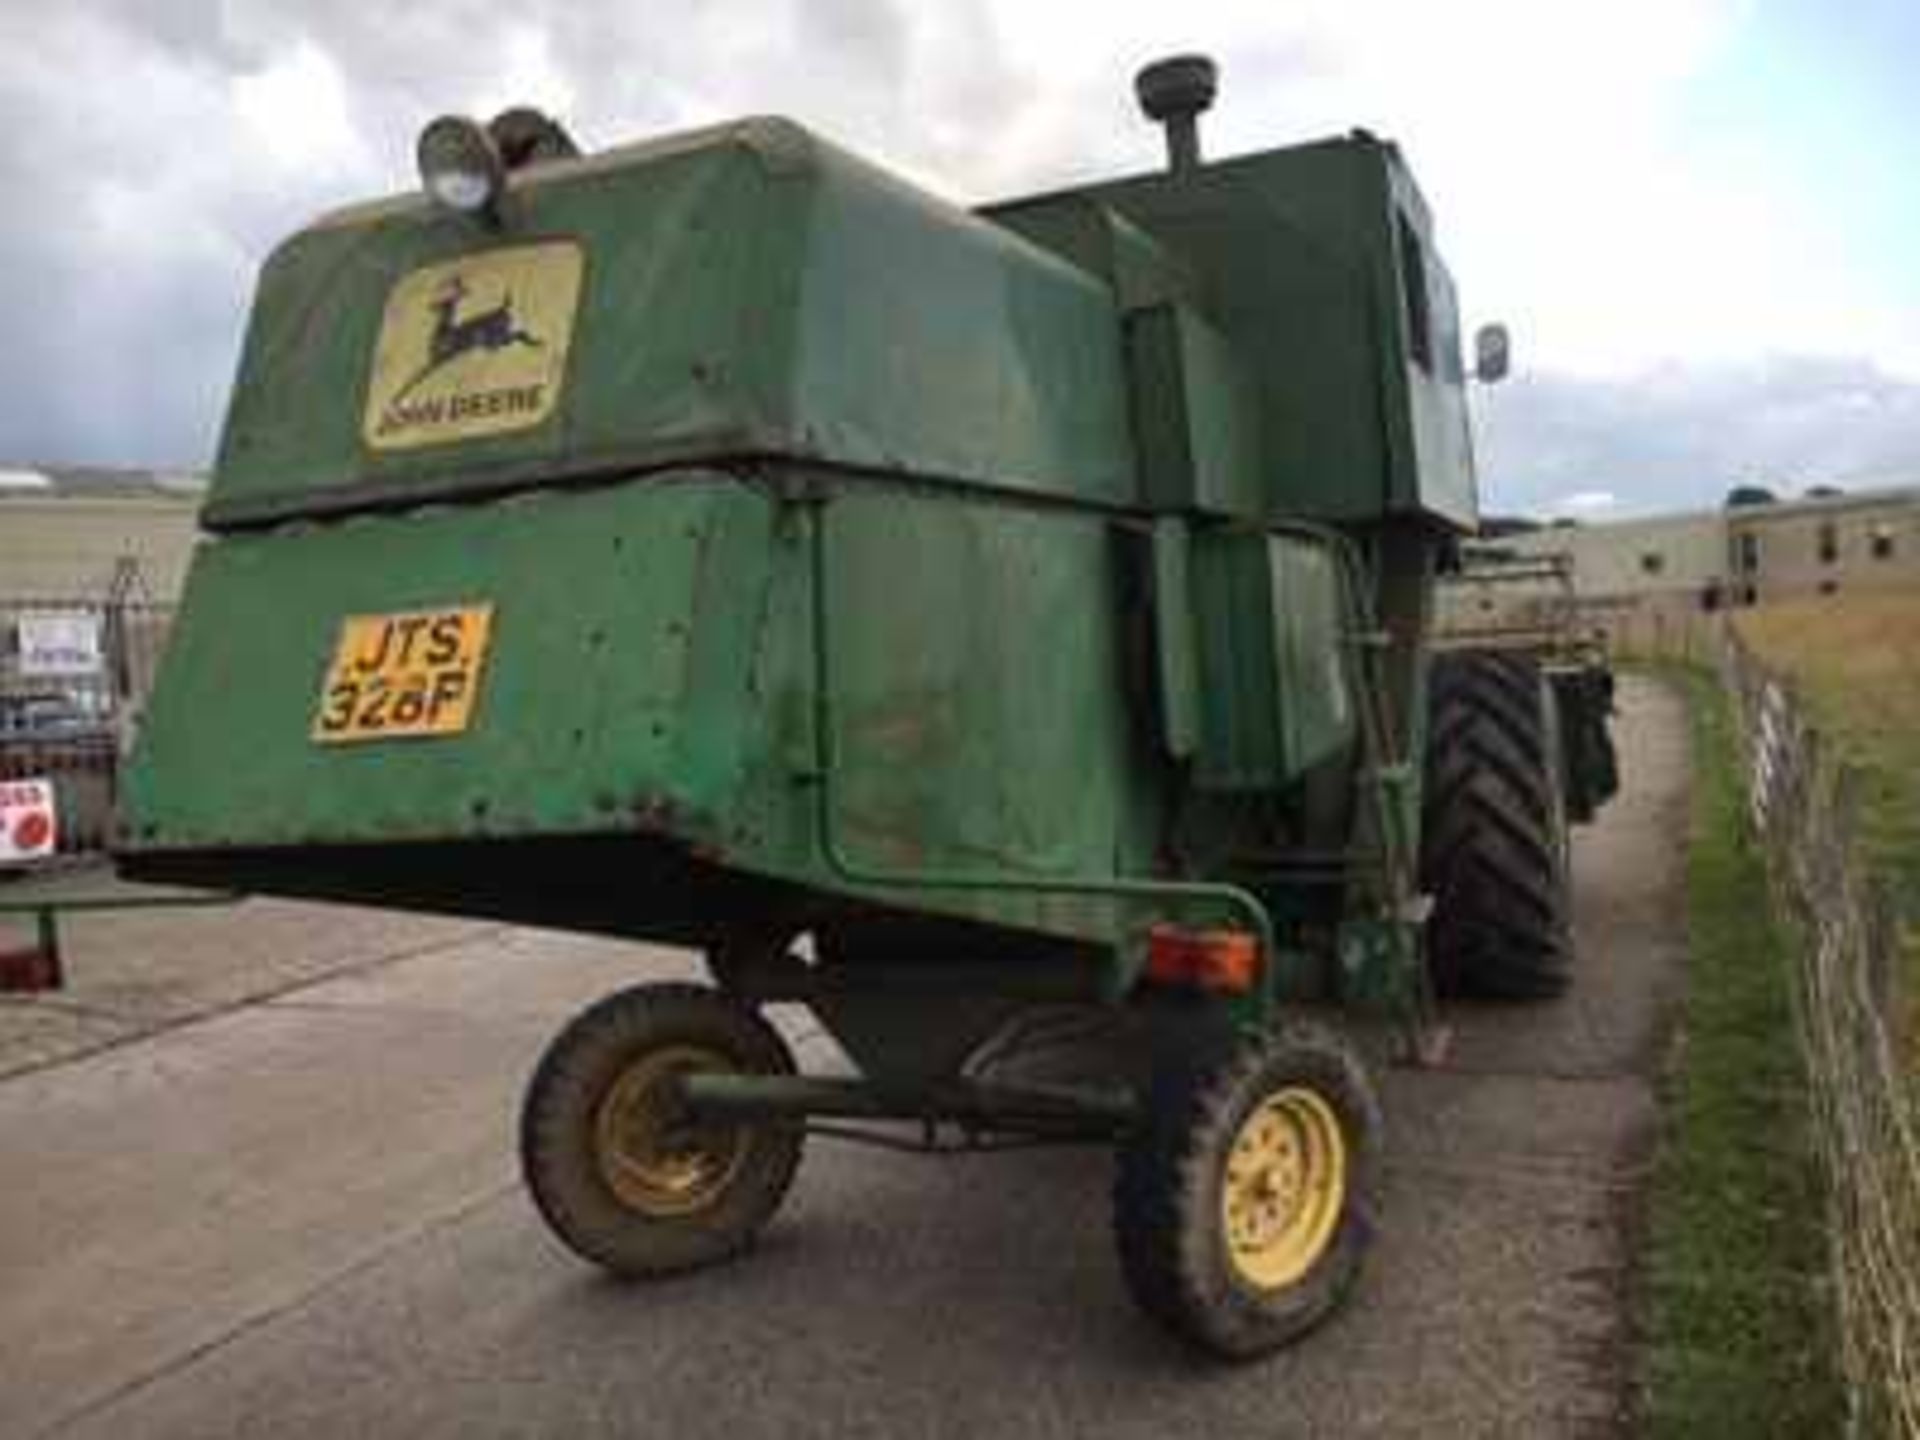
x: 1195, y: 416
x: 759, y: 293
x: 1272, y: 676
x: 1295, y: 257
x: 1176, y: 639
x: 619, y: 673
x: 886, y: 571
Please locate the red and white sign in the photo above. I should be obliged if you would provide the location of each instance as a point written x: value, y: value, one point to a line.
x: 27, y: 823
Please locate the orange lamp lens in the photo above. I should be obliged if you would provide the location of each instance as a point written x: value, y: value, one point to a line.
x: 1225, y: 961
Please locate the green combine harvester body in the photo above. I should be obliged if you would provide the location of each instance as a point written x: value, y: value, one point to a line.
x: 720, y: 541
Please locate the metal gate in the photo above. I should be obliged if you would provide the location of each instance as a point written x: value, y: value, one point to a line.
x: 74, y: 675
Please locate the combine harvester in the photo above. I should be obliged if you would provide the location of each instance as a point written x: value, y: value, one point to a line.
x: 975, y: 627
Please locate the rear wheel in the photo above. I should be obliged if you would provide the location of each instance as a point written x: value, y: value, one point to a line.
x: 1246, y: 1194
x: 621, y: 1172
x: 1494, y: 851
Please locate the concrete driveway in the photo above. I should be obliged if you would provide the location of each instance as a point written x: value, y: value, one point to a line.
x: 299, y: 1215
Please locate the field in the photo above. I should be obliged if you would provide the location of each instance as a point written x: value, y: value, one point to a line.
x: 1855, y: 661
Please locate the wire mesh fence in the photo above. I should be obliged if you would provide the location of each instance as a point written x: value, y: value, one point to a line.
x: 1849, y: 994
x: 74, y: 675
x: 1849, y: 1003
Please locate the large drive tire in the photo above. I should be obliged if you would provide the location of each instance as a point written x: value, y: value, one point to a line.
x: 1246, y: 1194
x: 1494, y: 852
x: 620, y: 1173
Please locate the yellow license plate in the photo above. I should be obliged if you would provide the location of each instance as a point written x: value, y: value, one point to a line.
x: 414, y: 672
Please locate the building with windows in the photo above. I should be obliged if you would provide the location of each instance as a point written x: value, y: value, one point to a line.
x: 1825, y: 545
x: 91, y: 562
x: 72, y: 533
x: 1744, y: 554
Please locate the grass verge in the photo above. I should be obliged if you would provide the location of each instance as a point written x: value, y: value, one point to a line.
x: 1737, y: 1330
x: 1855, y: 661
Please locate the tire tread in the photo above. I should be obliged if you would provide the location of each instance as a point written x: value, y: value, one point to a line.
x: 1494, y: 832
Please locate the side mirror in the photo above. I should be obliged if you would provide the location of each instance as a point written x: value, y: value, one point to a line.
x: 1492, y: 354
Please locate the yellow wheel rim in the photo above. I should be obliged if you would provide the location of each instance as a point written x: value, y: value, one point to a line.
x: 1284, y: 1188
x: 652, y: 1156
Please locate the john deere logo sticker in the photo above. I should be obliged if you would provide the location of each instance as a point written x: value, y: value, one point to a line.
x: 473, y: 347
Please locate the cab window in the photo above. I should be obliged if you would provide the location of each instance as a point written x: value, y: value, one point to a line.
x: 1413, y: 290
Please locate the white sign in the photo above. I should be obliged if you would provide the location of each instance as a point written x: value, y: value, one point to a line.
x: 59, y: 642
x: 27, y: 823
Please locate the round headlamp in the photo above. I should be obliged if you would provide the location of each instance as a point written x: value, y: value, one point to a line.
x: 460, y: 166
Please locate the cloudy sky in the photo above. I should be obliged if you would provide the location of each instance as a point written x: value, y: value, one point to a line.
x: 1698, y: 216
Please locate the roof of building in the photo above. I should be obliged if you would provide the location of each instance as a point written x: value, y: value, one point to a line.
x: 1788, y: 506
x: 1839, y: 500
x: 94, y: 482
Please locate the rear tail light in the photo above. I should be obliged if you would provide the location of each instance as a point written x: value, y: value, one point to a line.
x: 1226, y: 961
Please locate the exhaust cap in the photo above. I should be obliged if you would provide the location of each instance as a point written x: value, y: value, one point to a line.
x: 1174, y: 92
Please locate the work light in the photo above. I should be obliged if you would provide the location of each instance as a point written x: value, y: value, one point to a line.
x: 460, y: 166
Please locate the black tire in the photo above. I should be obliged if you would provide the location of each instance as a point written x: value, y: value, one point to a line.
x: 1175, y: 1251
x: 1494, y: 851
x: 598, y: 1133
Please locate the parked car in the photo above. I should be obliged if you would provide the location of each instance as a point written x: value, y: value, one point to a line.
x: 50, y: 715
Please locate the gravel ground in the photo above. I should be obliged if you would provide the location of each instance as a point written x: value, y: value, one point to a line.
x: 132, y: 972
x: 297, y: 1215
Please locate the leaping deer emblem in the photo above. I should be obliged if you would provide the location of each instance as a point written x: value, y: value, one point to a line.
x: 453, y: 337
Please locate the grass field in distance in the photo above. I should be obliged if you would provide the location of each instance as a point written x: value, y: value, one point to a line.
x: 1855, y: 660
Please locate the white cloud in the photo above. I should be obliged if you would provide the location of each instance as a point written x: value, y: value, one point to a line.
x: 1586, y: 502
x: 294, y: 111
x: 531, y: 73
x: 1659, y: 279
x: 1679, y: 436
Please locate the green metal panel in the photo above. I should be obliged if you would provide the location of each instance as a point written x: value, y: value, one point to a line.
x: 1274, y: 698
x: 1175, y: 658
x: 1239, y: 683
x: 1196, y: 419
x: 928, y: 341
x: 1311, y: 632
x: 617, y: 679
x: 1099, y: 240
x: 751, y: 290
x: 1426, y: 397
x: 1295, y: 257
x: 651, y: 671
x: 974, y: 686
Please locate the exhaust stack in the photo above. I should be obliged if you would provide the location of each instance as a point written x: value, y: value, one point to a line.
x: 1174, y: 92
